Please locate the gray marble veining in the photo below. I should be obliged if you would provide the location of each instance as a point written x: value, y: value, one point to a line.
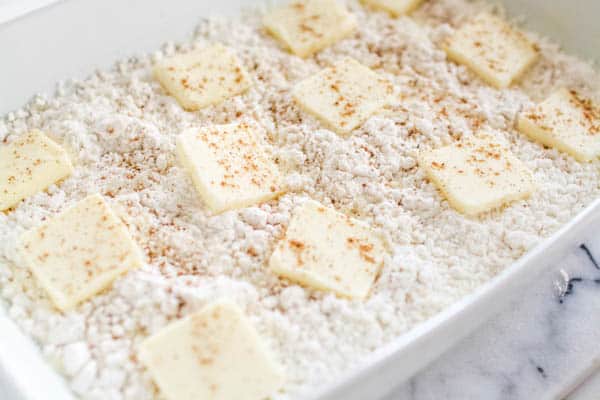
x: 544, y: 344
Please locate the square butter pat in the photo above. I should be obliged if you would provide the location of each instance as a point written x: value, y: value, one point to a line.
x: 215, y: 354
x: 308, y: 26
x: 79, y: 252
x: 489, y: 46
x: 394, y: 7
x: 477, y: 175
x: 343, y: 96
x: 327, y: 250
x: 567, y: 122
x: 203, y: 77
x: 28, y: 165
x: 229, y: 165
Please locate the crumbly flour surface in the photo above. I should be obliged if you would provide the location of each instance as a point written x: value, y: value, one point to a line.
x: 121, y: 126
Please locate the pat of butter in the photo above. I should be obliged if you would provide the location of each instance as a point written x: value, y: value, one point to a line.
x: 80, y: 252
x: 343, y: 96
x: 327, y: 250
x: 308, y: 26
x: 494, y: 50
x: 394, y: 7
x: 203, y: 77
x: 28, y: 165
x: 229, y: 165
x: 214, y: 354
x: 477, y: 175
x: 567, y: 122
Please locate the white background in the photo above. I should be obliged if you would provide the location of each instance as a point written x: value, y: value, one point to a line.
x: 10, y: 9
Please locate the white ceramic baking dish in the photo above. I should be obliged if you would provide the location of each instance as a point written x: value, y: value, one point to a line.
x: 72, y: 38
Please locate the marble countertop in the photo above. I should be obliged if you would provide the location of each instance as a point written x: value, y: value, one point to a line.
x: 544, y: 345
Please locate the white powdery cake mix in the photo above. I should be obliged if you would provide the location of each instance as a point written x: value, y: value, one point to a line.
x: 121, y: 126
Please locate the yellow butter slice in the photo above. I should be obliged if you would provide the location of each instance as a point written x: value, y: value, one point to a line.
x: 203, y: 77
x: 566, y: 121
x: 477, y: 175
x: 394, y: 7
x: 343, y: 96
x: 308, y: 26
x: 229, y: 165
x: 493, y: 49
x: 214, y: 354
x: 80, y: 252
x: 28, y: 165
x: 327, y: 250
